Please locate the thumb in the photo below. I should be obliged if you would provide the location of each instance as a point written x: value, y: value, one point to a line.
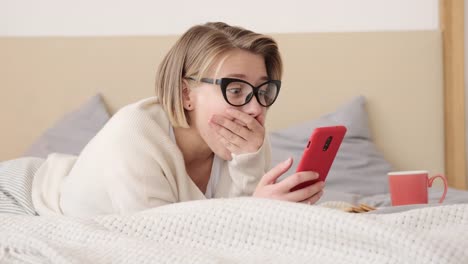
x: 271, y: 176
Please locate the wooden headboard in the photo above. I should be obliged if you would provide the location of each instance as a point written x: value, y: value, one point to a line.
x: 400, y: 73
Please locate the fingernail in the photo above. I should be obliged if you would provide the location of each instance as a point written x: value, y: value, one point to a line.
x: 287, y: 161
x: 316, y: 175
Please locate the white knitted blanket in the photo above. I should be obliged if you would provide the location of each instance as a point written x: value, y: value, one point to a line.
x: 241, y: 230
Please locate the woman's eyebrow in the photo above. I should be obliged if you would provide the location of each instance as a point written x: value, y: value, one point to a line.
x: 243, y: 76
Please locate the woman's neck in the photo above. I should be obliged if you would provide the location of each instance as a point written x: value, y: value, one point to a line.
x: 198, y: 157
x: 193, y: 147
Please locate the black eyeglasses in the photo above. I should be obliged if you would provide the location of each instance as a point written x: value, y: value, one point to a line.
x: 238, y: 92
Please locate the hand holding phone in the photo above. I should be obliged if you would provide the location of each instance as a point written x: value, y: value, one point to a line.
x: 270, y: 188
x: 320, y: 152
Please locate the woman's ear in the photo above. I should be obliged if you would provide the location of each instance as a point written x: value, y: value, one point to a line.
x: 188, y: 103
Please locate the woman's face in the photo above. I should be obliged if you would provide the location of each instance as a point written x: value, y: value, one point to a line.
x: 207, y: 100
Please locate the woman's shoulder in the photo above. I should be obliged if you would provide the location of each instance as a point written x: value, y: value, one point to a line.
x: 144, y: 106
x: 148, y: 109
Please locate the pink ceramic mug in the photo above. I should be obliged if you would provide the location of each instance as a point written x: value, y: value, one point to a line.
x: 410, y: 187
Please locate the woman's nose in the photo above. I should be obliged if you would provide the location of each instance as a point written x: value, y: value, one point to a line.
x: 253, y: 108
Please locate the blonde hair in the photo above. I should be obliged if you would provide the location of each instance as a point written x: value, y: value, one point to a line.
x: 196, y: 51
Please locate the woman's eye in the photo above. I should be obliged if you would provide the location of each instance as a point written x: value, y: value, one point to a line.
x: 234, y: 90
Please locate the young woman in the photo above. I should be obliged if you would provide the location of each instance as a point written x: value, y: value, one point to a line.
x: 202, y: 135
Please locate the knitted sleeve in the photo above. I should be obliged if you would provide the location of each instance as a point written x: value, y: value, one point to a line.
x: 123, y: 169
x: 245, y: 171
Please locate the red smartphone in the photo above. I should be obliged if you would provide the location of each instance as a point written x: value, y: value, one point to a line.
x: 320, y: 152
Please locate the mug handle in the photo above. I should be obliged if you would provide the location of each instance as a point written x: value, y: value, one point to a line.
x: 445, y: 185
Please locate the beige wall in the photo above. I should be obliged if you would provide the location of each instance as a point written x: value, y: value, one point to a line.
x: 399, y: 72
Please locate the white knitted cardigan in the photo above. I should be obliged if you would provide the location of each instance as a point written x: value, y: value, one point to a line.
x: 240, y: 230
x: 132, y: 164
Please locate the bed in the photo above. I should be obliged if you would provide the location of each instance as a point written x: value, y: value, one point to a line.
x: 387, y: 87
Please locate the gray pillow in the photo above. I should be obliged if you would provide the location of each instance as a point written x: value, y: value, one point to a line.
x: 358, y: 168
x: 71, y: 134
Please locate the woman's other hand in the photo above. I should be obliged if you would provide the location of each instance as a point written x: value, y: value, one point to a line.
x: 239, y: 132
x: 269, y: 188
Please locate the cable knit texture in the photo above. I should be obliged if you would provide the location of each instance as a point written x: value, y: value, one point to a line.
x: 132, y: 165
x: 241, y: 230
